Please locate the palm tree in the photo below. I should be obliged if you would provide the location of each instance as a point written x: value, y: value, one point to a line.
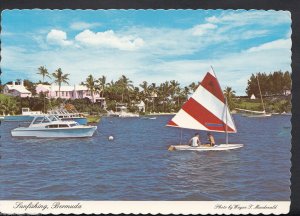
x: 43, y: 72
x: 125, y: 84
x: 175, y: 89
x: 144, y: 87
x: 102, y: 85
x: 164, y: 91
x: 153, y: 94
x: 60, y: 78
x: 229, y: 94
x: 193, y: 86
x: 145, y: 92
x: 183, y: 94
x: 90, y: 83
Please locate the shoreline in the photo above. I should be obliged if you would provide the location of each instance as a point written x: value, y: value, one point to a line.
x: 159, y: 114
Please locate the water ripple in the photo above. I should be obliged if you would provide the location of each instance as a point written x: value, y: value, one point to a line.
x: 137, y: 166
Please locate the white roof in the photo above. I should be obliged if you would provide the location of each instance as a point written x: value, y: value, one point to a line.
x: 64, y: 88
x: 80, y: 87
x: 19, y: 88
x: 47, y: 87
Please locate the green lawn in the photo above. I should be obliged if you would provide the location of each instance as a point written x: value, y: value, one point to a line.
x: 93, y: 119
x: 250, y: 105
x: 271, y: 104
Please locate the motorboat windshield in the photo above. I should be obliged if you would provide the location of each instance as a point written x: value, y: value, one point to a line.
x: 53, y: 118
x: 44, y: 119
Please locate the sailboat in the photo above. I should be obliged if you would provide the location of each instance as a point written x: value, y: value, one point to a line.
x: 206, y: 110
x: 258, y: 114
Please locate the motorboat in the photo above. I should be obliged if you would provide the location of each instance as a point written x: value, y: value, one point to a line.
x: 122, y: 111
x: 50, y: 126
x: 26, y: 116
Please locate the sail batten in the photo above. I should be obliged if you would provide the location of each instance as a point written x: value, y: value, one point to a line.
x: 206, y: 109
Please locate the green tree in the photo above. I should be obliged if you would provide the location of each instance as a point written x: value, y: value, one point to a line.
x: 164, y: 92
x: 90, y: 83
x: 30, y: 86
x: 229, y: 94
x: 60, y: 78
x: 145, y: 93
x: 252, y: 87
x: 125, y: 84
x: 270, y: 84
x: 42, y: 70
x: 153, y: 94
x: 9, y: 105
x: 193, y: 86
x: 102, y: 85
x: 287, y: 81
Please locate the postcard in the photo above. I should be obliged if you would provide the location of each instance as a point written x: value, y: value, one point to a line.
x: 145, y: 111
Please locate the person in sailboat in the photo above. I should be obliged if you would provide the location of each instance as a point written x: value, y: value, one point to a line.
x: 195, y: 140
x: 211, y: 139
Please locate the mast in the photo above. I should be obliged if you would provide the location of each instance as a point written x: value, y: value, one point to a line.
x: 260, y: 94
x: 226, y: 106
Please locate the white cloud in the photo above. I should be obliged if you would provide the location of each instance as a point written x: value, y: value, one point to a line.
x: 233, y: 69
x: 212, y: 19
x: 160, y: 53
x: 254, y: 34
x: 83, y: 25
x: 109, y: 39
x: 244, y: 17
x: 202, y: 29
x: 277, y: 44
x: 58, y: 37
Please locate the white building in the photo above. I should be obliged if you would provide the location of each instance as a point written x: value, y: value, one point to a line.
x: 16, y: 90
x: 141, y: 106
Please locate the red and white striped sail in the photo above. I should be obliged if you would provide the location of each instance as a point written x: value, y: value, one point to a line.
x: 206, y: 109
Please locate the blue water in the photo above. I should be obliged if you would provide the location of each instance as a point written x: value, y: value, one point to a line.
x: 137, y: 166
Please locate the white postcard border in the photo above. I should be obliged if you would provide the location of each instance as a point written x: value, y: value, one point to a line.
x: 144, y: 207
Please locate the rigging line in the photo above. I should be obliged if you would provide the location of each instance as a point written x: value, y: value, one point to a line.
x: 226, y: 123
x: 260, y: 94
x: 180, y: 136
x: 225, y: 98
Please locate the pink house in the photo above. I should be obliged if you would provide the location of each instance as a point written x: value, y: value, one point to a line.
x: 68, y: 92
x: 16, y: 90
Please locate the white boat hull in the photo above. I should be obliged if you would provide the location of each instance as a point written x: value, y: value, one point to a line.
x: 221, y: 147
x: 54, y: 132
x: 259, y: 116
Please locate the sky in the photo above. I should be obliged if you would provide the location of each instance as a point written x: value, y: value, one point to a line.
x: 146, y: 45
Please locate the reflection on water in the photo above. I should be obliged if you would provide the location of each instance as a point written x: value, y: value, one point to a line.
x: 137, y: 166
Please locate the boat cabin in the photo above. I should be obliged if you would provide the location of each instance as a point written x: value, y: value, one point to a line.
x: 60, y: 125
x: 51, y: 121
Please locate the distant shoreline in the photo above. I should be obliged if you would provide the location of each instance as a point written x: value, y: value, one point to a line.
x: 154, y: 114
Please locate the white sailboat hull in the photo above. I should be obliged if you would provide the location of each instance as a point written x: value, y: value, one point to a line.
x: 259, y: 116
x: 221, y: 147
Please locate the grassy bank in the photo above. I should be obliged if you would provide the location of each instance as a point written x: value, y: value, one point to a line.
x: 272, y: 104
x: 92, y: 119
